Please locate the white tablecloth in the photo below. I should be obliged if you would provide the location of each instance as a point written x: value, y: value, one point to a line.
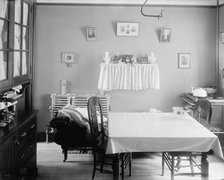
x: 158, y: 132
x: 128, y: 77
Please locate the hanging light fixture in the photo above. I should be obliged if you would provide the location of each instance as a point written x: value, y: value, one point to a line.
x: 151, y: 15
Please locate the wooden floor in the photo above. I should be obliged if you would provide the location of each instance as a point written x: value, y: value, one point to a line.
x: 79, y: 166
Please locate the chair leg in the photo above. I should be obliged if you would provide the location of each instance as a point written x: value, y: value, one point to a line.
x: 172, y: 168
x: 129, y: 163
x: 102, y: 163
x: 178, y: 164
x: 122, y: 165
x: 163, y: 163
x: 191, y: 164
x: 65, y: 152
x: 94, y: 165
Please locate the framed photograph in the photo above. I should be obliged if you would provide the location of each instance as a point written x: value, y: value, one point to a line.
x: 127, y: 29
x: 165, y: 35
x: 91, y: 33
x: 184, y: 60
x: 222, y: 36
x: 68, y: 57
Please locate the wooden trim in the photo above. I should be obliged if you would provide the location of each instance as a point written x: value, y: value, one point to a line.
x: 217, y: 78
x: 131, y: 2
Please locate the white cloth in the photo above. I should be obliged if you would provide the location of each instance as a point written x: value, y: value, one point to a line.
x: 128, y: 77
x: 3, y: 7
x: 159, y: 132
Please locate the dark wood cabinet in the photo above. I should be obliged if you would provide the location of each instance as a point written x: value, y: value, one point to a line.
x: 18, y: 138
x: 25, y: 147
x: 18, y: 148
x: 6, y: 164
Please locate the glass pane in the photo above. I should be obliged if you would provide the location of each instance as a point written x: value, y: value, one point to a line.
x: 3, y: 34
x: 17, y: 37
x: 25, y: 57
x: 3, y: 65
x: 25, y: 14
x: 16, y: 70
x: 18, y: 11
x: 4, y: 9
x: 25, y: 38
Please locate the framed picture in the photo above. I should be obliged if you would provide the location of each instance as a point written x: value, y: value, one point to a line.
x: 184, y: 60
x: 68, y: 57
x: 165, y: 35
x: 222, y: 36
x: 91, y: 33
x: 127, y: 29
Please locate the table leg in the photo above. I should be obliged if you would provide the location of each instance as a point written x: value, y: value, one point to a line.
x: 204, y: 167
x: 116, y: 169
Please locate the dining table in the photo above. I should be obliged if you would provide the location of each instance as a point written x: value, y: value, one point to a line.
x: 159, y: 132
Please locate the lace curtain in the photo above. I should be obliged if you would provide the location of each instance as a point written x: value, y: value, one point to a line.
x: 17, y: 38
x: 3, y: 64
x: 25, y: 37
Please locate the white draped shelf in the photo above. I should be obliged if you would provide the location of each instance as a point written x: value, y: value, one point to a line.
x: 128, y: 77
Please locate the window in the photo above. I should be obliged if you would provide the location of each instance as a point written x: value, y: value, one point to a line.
x: 15, y: 41
x: 21, y: 38
x: 4, y: 42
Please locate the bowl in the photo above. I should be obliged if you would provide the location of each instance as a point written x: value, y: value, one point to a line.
x: 210, y: 90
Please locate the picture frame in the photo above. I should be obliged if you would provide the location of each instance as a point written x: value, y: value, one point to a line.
x: 184, y: 60
x: 165, y: 34
x: 128, y: 29
x: 126, y: 58
x: 91, y: 33
x: 68, y: 57
x: 222, y: 36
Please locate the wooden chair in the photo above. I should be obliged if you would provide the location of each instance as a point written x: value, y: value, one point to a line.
x: 202, y: 113
x: 99, y: 133
x: 173, y: 161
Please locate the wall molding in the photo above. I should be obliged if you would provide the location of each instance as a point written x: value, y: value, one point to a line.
x: 134, y: 2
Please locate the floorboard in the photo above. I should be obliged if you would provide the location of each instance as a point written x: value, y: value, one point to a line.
x: 146, y: 166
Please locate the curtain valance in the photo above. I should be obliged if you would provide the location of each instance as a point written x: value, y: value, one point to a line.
x: 128, y: 77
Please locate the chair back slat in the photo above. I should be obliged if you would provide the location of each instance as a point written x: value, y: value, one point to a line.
x: 93, y: 103
x: 105, y: 103
x: 80, y: 100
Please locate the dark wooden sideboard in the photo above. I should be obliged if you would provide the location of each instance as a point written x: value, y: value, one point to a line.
x: 18, y: 138
x: 18, y: 147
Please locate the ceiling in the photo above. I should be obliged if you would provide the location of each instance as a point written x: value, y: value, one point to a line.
x: 135, y: 2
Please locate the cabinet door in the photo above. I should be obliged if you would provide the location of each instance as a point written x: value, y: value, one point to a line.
x: 16, y: 19
x: 6, y: 157
x: 22, y: 41
x: 25, y: 148
x: 5, y: 64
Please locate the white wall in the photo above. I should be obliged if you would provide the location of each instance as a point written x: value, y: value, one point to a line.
x: 63, y: 29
